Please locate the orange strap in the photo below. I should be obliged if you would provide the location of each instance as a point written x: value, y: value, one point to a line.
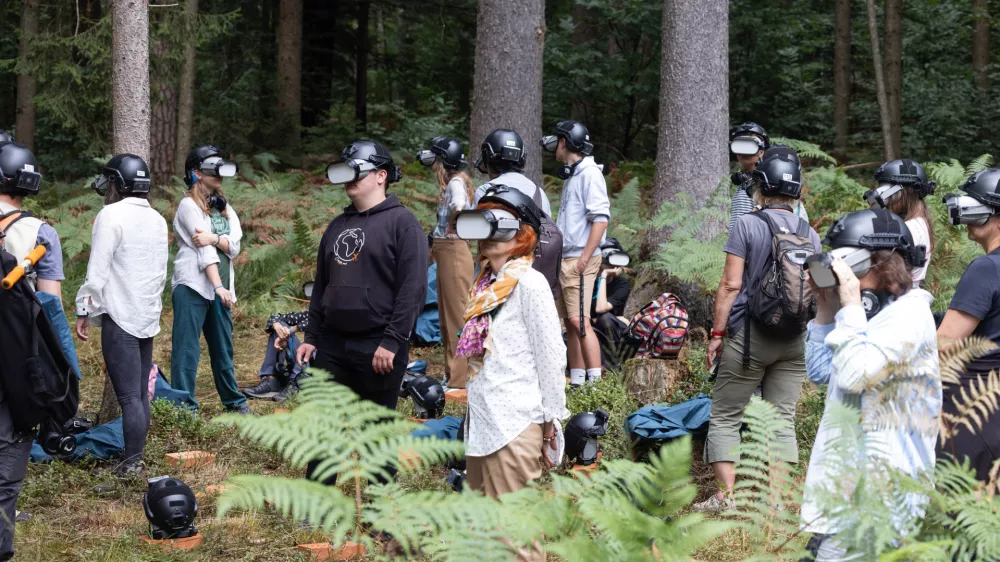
x: 8, y: 219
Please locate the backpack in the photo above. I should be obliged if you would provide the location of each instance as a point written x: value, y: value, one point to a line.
x: 658, y: 330
x: 548, y: 255
x: 783, y: 302
x: 37, y: 380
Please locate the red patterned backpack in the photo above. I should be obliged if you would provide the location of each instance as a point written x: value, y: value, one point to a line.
x: 659, y: 329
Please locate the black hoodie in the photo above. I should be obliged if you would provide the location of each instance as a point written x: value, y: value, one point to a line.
x: 371, y: 275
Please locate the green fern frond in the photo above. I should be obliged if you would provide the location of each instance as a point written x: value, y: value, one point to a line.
x: 980, y: 163
x: 805, y: 149
x: 305, y: 242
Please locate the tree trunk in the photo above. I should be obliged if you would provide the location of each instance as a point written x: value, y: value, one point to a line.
x: 361, y: 65
x: 130, y: 78
x: 583, y: 31
x: 692, y: 151
x: 507, y: 85
x: 883, y: 109
x: 894, y: 71
x: 981, y: 43
x: 163, y: 114
x: 27, y: 84
x: 842, y: 75
x: 290, y: 69
x: 319, y: 24
x: 185, y: 103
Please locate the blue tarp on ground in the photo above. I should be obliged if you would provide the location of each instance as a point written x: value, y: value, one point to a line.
x: 428, y: 328
x: 442, y: 428
x: 107, y: 441
x: 53, y: 309
x: 660, y: 423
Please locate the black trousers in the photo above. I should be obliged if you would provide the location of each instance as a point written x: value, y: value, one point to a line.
x: 981, y: 447
x: 349, y: 360
x: 15, y: 449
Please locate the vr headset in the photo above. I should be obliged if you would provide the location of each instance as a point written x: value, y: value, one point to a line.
x: 746, y: 145
x: 615, y: 257
x: 100, y: 185
x: 963, y: 209
x: 426, y: 157
x: 819, y: 265
x: 509, y: 153
x: 26, y: 178
x: 550, y: 143
x: 216, y: 166
x: 880, y: 195
x: 491, y: 224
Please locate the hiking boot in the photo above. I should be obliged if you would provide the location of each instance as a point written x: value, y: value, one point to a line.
x: 243, y: 410
x: 268, y: 388
x: 290, y: 389
x: 714, y: 505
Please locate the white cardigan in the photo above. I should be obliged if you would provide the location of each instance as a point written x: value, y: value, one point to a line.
x: 191, y: 261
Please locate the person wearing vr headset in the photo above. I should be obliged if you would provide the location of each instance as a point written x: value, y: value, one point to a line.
x: 452, y: 255
x: 584, y: 212
x: 514, y: 343
x: 20, y: 177
x: 208, y: 240
x: 975, y: 310
x: 751, y: 358
x: 502, y: 158
x: 122, y: 293
x: 870, y: 314
x: 607, y: 308
x: 901, y: 188
x: 748, y: 142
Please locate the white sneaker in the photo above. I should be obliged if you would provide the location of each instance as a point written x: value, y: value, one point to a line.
x: 714, y: 505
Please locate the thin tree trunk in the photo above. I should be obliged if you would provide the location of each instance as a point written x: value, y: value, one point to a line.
x: 507, y: 86
x: 981, y: 43
x: 361, y: 65
x: 27, y: 84
x: 583, y: 31
x: 894, y: 70
x: 692, y: 141
x: 163, y: 111
x: 185, y: 102
x: 290, y: 69
x: 883, y: 109
x: 842, y: 75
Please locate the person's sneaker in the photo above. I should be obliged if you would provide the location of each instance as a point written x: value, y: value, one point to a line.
x: 290, y: 389
x: 135, y: 471
x: 714, y: 505
x: 268, y: 388
x: 243, y: 410
x: 21, y: 516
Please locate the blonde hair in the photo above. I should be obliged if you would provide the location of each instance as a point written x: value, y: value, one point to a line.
x: 444, y: 176
x: 765, y: 200
x: 199, y: 192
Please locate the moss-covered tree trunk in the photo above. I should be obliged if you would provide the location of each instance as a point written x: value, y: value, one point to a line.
x: 692, y: 147
x: 290, y: 69
x: 842, y: 76
x: 507, y: 84
x: 27, y: 84
x: 185, y: 101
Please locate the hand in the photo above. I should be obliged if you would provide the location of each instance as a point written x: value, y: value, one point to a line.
x: 226, y: 296
x: 614, y: 272
x: 548, y: 429
x: 827, y: 303
x: 280, y: 330
x: 581, y: 265
x: 304, y: 353
x: 714, y: 350
x: 82, y: 327
x: 382, y: 362
x: 202, y: 238
x: 280, y: 344
x: 849, y: 287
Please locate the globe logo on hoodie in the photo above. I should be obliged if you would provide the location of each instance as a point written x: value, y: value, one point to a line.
x: 348, y: 245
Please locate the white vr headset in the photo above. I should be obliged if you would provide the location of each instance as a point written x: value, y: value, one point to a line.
x: 491, y: 224
x: 963, y: 209
x: 819, y: 265
x: 216, y: 166
x: 881, y: 194
x: 615, y: 257
x: 746, y: 145
x: 349, y: 171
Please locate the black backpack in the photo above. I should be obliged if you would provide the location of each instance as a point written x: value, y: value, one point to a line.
x: 37, y: 380
x: 783, y: 302
x: 548, y: 256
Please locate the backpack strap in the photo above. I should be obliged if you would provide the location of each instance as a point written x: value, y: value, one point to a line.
x: 10, y: 218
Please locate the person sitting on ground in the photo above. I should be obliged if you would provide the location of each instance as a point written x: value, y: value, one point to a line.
x: 279, y: 373
x: 607, y: 308
x: 868, y: 317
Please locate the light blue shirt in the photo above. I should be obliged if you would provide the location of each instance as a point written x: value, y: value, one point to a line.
x: 847, y: 355
x: 584, y: 202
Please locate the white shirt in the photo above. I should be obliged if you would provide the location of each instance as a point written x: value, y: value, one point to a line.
x: 127, y: 268
x: 523, y: 378
x: 921, y: 237
x: 584, y: 202
x: 191, y: 261
x: 844, y: 355
x: 517, y: 181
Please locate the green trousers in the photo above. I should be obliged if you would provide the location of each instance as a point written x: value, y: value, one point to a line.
x: 192, y: 316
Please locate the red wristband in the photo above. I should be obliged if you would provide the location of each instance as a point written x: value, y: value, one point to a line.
x: 718, y: 333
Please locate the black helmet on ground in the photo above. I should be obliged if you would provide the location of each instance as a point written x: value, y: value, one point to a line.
x: 448, y: 149
x: 893, y: 176
x: 170, y: 507
x: 361, y: 158
x: 576, y: 134
x: 748, y: 138
x: 779, y: 172
x: 582, y: 431
x: 981, y: 199
x: 427, y: 394
x: 128, y: 172
x: 502, y: 150
x: 498, y: 224
x: 207, y: 159
x: 19, y: 173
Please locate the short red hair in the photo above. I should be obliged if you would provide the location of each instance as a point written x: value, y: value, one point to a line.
x: 525, y: 240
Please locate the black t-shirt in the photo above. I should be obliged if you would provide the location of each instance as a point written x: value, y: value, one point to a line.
x: 978, y: 294
x: 617, y: 293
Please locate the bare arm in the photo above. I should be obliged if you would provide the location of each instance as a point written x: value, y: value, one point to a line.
x: 957, y: 325
x: 602, y: 304
x: 50, y: 287
x: 729, y: 289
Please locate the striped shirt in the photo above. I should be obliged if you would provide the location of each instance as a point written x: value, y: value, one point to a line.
x: 743, y: 204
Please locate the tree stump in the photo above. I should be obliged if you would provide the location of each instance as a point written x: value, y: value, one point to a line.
x: 653, y: 380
